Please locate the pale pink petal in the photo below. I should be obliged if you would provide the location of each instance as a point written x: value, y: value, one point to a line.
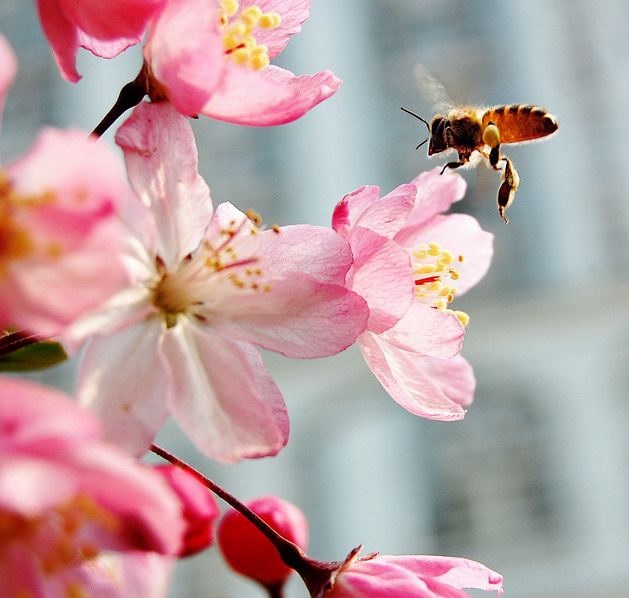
x: 273, y: 96
x: 297, y: 317
x: 106, y: 48
x: 456, y: 572
x: 383, y: 276
x: 403, y: 377
x: 62, y: 36
x: 293, y: 14
x: 222, y: 395
x: 314, y: 250
x: 121, y: 575
x: 384, y: 215
x: 462, y: 236
x: 124, y: 382
x: 454, y: 376
x: 162, y: 164
x: 427, y: 331
x: 8, y: 68
x: 435, y: 194
x: 34, y: 415
x: 185, y: 51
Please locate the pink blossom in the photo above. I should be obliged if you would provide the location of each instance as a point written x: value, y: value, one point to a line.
x: 214, y: 60
x: 421, y: 576
x: 206, y: 289
x: 199, y: 508
x: 67, y: 498
x: 60, y: 249
x: 407, y: 256
x: 104, y: 27
x: 249, y: 552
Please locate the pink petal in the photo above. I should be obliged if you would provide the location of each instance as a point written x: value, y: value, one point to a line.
x: 461, y: 235
x: 383, y: 276
x: 185, y: 51
x: 384, y: 215
x: 110, y: 19
x: 314, y: 250
x: 293, y: 14
x: 109, y: 48
x: 457, y: 572
x: 123, y: 380
x: 435, y: 194
x: 454, y: 376
x: 222, y: 395
x: 162, y: 163
x: 273, y: 96
x: 403, y: 377
x: 427, y: 331
x: 62, y: 36
x: 8, y: 68
x: 297, y: 317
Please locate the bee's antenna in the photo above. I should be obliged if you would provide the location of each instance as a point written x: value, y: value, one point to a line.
x: 422, y: 143
x: 419, y: 117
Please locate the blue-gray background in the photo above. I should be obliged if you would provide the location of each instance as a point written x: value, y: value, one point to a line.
x: 534, y: 482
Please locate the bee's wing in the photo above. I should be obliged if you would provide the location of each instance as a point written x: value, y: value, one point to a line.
x: 432, y: 89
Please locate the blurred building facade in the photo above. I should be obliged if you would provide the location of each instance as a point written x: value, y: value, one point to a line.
x: 535, y: 481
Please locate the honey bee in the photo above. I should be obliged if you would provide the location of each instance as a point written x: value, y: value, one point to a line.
x: 478, y: 133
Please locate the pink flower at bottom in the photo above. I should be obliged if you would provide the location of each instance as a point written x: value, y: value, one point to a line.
x: 384, y: 576
x: 410, y: 261
x: 67, y: 499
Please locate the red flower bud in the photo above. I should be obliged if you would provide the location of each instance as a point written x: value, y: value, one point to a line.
x: 249, y: 552
x: 199, y: 509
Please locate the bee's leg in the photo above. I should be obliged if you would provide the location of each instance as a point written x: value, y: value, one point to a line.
x: 491, y: 137
x: 463, y: 160
x: 506, y: 193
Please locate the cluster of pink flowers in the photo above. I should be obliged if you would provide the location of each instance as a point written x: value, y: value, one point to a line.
x: 169, y: 297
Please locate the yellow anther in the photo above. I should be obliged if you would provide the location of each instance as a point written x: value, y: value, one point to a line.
x: 450, y: 298
x: 427, y: 268
x: 240, y: 56
x: 261, y: 49
x: 434, y: 246
x: 257, y: 63
x: 229, y: 7
x: 439, y: 267
x: 454, y: 275
x: 463, y: 317
x: 237, y: 29
x: 270, y: 20
x: 445, y: 291
x: 276, y: 229
x: 441, y: 304
x: 251, y: 15
x: 446, y: 258
x: 420, y: 254
x: 460, y: 258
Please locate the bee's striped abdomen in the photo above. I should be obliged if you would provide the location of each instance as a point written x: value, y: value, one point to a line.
x: 520, y: 122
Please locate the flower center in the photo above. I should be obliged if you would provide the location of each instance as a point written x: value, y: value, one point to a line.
x: 16, y: 241
x: 237, y: 29
x: 211, y: 275
x: 60, y: 538
x: 434, y: 272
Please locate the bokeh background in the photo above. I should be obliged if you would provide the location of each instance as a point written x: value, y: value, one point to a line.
x: 535, y: 481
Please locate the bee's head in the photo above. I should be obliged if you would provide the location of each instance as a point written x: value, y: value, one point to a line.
x: 438, y: 142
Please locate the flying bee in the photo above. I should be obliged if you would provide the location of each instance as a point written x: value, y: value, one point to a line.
x: 479, y: 133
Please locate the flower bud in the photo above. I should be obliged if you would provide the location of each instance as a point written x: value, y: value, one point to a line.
x: 249, y: 552
x: 199, y: 509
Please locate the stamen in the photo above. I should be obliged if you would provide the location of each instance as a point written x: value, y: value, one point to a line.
x: 432, y: 267
x: 240, y: 43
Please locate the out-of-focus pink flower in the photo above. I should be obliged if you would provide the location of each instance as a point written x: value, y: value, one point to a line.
x: 421, y: 576
x: 205, y: 289
x: 199, y: 508
x: 409, y: 262
x: 249, y: 552
x: 66, y: 497
x: 214, y: 60
x: 60, y: 242
x: 104, y: 27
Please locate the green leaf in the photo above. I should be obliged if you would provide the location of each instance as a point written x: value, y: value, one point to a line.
x: 37, y: 356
